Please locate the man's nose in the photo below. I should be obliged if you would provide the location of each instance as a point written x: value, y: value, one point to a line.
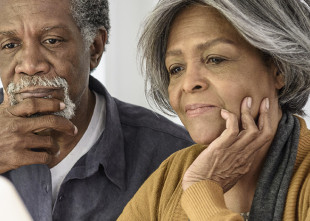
x: 195, y: 79
x: 31, y: 61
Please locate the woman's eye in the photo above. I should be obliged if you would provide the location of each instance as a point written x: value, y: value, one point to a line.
x: 215, y: 60
x: 176, y: 70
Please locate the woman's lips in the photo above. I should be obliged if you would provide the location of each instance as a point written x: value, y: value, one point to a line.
x: 194, y: 110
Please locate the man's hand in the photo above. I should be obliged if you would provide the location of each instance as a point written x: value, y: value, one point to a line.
x: 231, y: 155
x: 24, y: 140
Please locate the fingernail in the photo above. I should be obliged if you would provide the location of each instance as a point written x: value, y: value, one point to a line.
x: 224, y: 113
x: 267, y: 104
x: 62, y: 105
x: 75, y: 130
x: 249, y: 102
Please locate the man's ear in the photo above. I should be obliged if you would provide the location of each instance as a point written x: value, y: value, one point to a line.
x: 97, y: 47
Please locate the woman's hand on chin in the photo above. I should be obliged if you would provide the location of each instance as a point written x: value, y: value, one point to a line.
x: 231, y: 155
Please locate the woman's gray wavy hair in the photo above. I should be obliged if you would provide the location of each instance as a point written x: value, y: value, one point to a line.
x: 279, y: 28
x: 90, y: 15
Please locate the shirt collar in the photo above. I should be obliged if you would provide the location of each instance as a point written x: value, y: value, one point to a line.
x: 109, y: 149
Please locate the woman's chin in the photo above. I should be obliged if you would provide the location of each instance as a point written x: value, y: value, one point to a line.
x: 205, y: 138
x: 205, y: 132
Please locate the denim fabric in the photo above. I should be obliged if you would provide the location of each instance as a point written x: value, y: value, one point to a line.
x: 134, y: 143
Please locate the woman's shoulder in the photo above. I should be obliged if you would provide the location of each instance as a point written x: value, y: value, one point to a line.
x: 303, y: 152
x: 304, y: 131
x: 304, y: 138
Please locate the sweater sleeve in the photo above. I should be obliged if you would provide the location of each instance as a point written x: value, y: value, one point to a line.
x: 205, y: 201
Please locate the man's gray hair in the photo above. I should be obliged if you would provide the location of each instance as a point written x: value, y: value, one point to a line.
x: 279, y: 28
x: 90, y: 15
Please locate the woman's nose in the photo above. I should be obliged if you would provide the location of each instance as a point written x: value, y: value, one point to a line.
x: 194, y: 80
x: 31, y: 61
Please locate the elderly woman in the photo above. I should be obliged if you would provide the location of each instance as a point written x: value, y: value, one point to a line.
x: 235, y: 72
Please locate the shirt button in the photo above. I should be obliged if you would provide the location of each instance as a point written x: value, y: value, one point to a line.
x: 61, y: 198
x: 46, y: 188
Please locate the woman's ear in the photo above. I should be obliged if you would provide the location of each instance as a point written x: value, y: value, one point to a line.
x: 279, y: 79
x: 97, y: 47
x: 278, y: 76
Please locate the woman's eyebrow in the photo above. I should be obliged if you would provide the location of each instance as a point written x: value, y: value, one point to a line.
x: 174, y: 53
x: 209, y: 44
x: 203, y: 46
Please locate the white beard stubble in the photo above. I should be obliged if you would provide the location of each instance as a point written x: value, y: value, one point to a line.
x: 30, y: 81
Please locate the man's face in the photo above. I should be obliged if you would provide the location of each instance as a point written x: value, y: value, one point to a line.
x: 40, y: 38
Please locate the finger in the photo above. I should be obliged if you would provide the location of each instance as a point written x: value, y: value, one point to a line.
x: 39, y: 143
x: 264, y: 117
x: 250, y: 130
x: 43, y: 123
x: 32, y: 157
x: 53, y: 122
x: 247, y: 121
x: 264, y: 123
x: 35, y: 143
x: 31, y: 149
x: 232, y: 126
x: 28, y: 157
x: 31, y: 106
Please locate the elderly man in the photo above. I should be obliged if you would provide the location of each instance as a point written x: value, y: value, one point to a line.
x: 71, y: 150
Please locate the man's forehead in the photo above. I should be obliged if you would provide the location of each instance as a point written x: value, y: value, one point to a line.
x: 23, y: 2
x: 39, y: 14
x: 20, y: 7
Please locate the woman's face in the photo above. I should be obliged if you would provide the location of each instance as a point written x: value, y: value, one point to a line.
x: 211, y: 68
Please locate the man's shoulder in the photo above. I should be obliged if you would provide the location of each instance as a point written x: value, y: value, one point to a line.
x: 136, y: 116
x: 131, y: 115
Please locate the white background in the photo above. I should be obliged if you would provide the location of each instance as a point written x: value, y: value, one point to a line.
x: 119, y: 69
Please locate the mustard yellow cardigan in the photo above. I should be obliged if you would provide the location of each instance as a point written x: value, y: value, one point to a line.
x: 161, y: 196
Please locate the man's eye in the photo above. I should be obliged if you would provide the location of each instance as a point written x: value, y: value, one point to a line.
x: 175, y: 70
x: 52, y: 41
x: 10, y: 46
